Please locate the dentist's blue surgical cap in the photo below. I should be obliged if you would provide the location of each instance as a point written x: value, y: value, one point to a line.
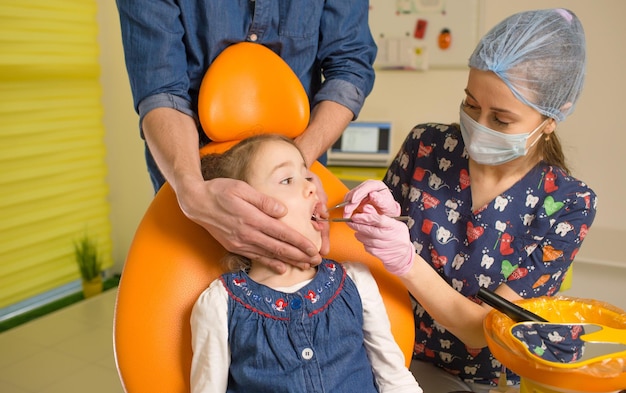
x: 540, y: 55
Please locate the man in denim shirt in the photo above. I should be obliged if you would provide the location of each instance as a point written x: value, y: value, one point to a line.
x: 169, y: 45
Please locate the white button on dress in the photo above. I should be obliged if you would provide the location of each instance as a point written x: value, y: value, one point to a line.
x: 307, y: 353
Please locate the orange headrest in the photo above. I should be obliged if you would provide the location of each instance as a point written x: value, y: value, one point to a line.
x: 237, y: 101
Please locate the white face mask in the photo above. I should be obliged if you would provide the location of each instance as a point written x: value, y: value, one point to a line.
x: 489, y: 147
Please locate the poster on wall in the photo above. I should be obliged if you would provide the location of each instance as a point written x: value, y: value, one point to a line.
x: 423, y: 34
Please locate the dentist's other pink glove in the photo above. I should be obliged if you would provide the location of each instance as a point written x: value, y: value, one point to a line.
x: 385, y: 238
x: 374, y: 192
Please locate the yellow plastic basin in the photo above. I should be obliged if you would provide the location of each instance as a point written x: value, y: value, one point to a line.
x: 605, y: 375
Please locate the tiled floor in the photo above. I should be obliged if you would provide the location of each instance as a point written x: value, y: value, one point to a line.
x: 68, y: 351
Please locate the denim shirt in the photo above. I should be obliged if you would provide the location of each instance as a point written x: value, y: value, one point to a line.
x: 169, y: 44
x: 311, y: 340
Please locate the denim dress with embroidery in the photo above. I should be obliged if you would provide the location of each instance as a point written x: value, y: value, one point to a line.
x: 307, y: 341
x: 526, y: 237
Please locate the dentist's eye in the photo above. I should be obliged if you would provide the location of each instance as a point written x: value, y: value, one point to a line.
x: 499, y: 122
x: 469, y: 106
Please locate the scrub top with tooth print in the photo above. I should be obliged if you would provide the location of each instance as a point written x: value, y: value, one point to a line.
x: 526, y: 237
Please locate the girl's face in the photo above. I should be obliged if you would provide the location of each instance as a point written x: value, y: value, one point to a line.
x: 490, y: 102
x: 278, y: 170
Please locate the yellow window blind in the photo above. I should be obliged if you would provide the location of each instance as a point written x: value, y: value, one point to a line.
x: 52, y: 154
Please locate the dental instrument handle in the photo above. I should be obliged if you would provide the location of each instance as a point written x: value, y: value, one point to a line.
x: 512, y: 310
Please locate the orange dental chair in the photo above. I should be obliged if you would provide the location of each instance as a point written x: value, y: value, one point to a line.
x: 247, y: 90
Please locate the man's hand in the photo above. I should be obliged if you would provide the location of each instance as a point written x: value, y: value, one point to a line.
x: 245, y: 222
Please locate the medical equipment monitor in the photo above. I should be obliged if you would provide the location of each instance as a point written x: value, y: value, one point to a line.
x: 365, y: 144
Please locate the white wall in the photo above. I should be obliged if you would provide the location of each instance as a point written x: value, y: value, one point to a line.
x: 593, y: 136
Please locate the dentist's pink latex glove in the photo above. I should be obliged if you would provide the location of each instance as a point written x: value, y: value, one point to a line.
x: 385, y: 238
x: 374, y: 192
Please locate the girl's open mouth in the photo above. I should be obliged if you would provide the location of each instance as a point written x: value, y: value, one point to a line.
x: 316, y: 216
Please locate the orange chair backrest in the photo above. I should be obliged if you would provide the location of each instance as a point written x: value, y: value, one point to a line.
x: 172, y: 260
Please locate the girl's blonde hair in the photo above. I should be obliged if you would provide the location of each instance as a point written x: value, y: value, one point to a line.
x: 236, y: 164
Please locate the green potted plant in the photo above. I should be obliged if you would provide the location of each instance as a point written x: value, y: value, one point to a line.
x: 89, y: 265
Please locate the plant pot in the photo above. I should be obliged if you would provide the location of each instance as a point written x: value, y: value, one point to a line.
x: 92, y: 287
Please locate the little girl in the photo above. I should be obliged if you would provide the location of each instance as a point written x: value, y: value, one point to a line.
x: 323, y: 329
